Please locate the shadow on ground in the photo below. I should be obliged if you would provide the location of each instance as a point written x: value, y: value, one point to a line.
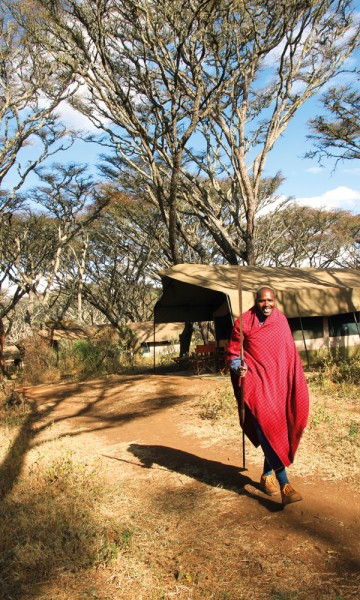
x: 210, y: 472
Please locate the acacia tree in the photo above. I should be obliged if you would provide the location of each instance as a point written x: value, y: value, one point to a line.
x: 31, y: 89
x: 34, y: 242
x: 150, y: 80
x: 336, y: 133
x: 311, y: 40
x: 220, y: 209
x: 126, y: 248
x: 157, y: 73
x: 144, y: 219
x: 118, y: 269
x: 299, y: 235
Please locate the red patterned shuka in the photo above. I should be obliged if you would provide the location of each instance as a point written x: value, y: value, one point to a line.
x: 275, y: 389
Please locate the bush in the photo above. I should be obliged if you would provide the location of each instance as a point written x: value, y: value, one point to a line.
x: 344, y: 375
x: 342, y: 371
x: 105, y: 353
x: 100, y: 355
x: 40, y: 361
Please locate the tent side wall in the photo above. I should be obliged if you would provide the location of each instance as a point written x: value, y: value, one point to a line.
x: 316, y: 337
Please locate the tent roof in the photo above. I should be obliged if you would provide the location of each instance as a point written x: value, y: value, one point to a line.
x: 68, y: 333
x: 164, y: 332
x: 194, y: 292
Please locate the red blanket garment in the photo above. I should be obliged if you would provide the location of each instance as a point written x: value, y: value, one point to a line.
x: 275, y: 389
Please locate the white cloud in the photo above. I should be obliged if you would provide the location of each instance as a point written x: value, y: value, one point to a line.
x: 315, y: 170
x: 73, y: 118
x: 341, y: 197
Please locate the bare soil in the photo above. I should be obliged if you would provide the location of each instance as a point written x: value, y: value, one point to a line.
x: 202, y: 525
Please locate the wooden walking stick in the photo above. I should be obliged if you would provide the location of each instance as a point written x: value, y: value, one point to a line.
x: 242, y: 403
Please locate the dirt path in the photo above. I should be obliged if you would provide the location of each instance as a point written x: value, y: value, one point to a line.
x: 148, y: 431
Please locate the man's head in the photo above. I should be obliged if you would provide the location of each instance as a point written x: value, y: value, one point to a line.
x: 265, y: 301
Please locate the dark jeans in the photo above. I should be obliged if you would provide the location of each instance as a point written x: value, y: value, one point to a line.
x: 271, y: 458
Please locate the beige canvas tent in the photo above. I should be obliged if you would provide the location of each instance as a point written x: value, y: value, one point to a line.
x: 161, y: 338
x: 317, y: 302
x: 191, y: 290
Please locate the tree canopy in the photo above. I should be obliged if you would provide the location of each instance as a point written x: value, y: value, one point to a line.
x: 184, y: 91
x: 188, y: 99
x: 336, y: 133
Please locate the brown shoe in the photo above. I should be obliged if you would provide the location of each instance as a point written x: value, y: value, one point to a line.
x: 289, y: 495
x: 269, y: 485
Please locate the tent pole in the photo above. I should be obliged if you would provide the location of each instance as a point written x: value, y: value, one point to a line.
x: 242, y: 402
x: 154, y: 358
x: 305, y: 346
x: 229, y: 309
x: 357, y: 323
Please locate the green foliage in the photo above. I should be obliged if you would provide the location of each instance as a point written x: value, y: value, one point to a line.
x: 104, y: 353
x: 89, y: 355
x: 107, y: 352
x: 321, y: 415
x: 100, y: 355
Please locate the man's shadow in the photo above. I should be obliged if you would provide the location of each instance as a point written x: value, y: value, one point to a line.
x: 210, y: 472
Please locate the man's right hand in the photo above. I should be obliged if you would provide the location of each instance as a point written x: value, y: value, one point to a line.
x: 237, y: 368
x: 243, y: 370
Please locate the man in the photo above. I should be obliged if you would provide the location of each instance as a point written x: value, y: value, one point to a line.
x: 275, y: 391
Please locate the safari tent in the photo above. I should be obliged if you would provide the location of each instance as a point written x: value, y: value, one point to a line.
x: 322, y: 305
x: 160, y: 338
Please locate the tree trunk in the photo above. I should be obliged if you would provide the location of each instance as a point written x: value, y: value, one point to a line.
x: 185, y: 339
x: 250, y: 237
x: 173, y: 235
x: 3, y: 371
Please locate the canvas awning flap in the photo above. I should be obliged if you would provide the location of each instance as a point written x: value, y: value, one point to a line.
x: 194, y: 292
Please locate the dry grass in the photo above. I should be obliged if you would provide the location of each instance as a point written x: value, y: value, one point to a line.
x: 51, y: 521
x: 70, y: 531
x: 330, y: 446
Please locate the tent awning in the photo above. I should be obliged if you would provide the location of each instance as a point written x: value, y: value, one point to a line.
x: 193, y: 292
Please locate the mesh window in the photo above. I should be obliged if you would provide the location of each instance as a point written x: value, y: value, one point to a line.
x: 342, y: 325
x: 313, y: 328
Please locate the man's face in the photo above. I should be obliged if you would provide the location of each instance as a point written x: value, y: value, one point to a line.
x: 265, y: 302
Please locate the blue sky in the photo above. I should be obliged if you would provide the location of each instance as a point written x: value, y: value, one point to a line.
x: 305, y: 179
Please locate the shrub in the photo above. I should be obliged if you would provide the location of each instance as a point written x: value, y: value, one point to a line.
x: 341, y: 376
x: 100, y: 355
x: 40, y: 361
x: 342, y: 370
